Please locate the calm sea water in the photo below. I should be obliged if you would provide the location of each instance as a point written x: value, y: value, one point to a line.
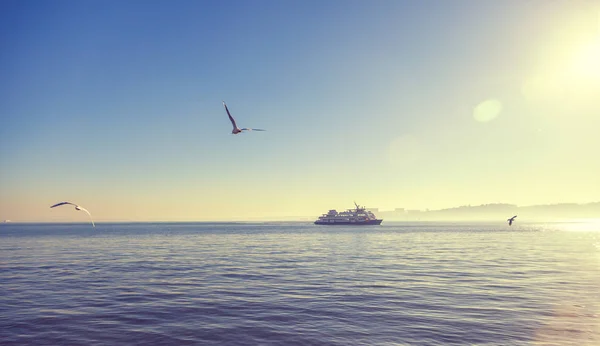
x: 299, y: 284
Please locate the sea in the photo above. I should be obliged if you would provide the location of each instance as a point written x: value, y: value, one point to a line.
x: 296, y: 283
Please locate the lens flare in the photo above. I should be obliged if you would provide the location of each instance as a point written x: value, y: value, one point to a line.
x: 487, y: 110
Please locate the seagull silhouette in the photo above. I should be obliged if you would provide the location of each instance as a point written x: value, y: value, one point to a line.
x: 77, y: 207
x: 236, y: 129
x: 510, y: 221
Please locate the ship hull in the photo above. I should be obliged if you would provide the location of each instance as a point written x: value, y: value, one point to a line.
x: 348, y: 223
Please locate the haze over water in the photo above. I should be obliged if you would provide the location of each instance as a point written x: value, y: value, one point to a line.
x: 300, y: 284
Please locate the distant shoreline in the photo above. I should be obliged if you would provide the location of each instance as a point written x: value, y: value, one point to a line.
x: 274, y: 222
x: 495, y: 211
x: 561, y: 212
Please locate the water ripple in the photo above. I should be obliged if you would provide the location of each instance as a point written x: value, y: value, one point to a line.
x: 295, y: 284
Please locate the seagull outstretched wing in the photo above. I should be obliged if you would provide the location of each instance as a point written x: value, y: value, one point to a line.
x: 62, y: 203
x: 230, y: 117
x: 82, y: 208
x: 247, y: 129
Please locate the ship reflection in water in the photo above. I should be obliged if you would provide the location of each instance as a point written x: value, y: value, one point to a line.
x: 356, y: 216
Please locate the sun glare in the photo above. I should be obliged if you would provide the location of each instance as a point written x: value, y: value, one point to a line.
x: 586, y: 64
x: 586, y: 59
x: 567, y: 74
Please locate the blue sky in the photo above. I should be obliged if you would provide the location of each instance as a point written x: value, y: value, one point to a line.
x: 116, y: 105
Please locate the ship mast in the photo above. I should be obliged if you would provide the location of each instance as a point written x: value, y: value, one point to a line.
x: 358, y: 208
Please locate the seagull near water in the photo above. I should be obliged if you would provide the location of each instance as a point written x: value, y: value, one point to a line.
x: 510, y: 221
x: 236, y: 129
x: 77, y: 207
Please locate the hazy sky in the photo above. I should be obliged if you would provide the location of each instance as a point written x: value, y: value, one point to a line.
x: 116, y: 105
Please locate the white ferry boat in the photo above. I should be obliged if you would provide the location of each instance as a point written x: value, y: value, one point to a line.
x: 356, y: 216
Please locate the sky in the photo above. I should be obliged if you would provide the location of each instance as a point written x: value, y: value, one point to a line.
x: 117, y: 106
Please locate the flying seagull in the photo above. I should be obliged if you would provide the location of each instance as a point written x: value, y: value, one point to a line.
x: 510, y: 221
x: 236, y: 129
x: 76, y: 208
